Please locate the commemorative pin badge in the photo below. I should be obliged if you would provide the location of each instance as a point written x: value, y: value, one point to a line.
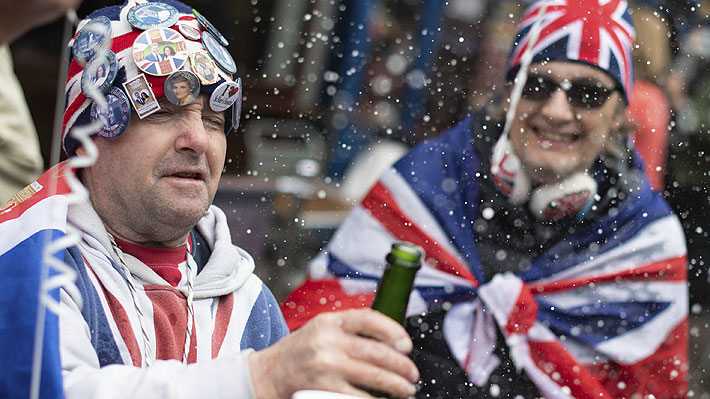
x: 204, y: 67
x: 237, y: 108
x: 160, y: 51
x: 204, y: 22
x: 220, y: 54
x: 189, y: 32
x: 115, y: 116
x: 225, y: 95
x: 182, y: 87
x: 141, y: 96
x: 99, y: 74
x: 152, y: 15
x: 92, y: 36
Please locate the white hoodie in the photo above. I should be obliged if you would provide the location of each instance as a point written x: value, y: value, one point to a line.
x: 103, y: 347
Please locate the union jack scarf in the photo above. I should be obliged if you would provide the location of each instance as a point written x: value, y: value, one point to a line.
x: 600, y: 314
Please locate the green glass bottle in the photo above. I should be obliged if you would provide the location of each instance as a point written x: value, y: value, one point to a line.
x: 396, y: 283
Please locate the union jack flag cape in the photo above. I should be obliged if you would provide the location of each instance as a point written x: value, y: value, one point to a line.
x: 28, y: 222
x: 601, y: 314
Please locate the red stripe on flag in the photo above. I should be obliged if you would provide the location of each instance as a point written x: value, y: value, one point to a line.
x: 524, y: 313
x: 318, y: 296
x: 224, y: 314
x: 673, y: 269
x: 170, y: 323
x: 384, y: 208
x: 554, y: 360
x: 22, y: 201
x: 663, y: 374
x: 118, y: 314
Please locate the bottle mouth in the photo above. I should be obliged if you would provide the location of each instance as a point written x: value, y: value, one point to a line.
x: 406, y: 251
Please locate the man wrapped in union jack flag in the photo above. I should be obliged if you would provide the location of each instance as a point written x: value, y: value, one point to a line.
x: 551, y: 269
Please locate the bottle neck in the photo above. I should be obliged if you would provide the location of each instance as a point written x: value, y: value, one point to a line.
x: 393, y: 291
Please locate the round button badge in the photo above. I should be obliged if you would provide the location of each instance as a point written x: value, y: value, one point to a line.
x: 152, y: 15
x: 182, y: 87
x: 219, y: 53
x: 99, y: 74
x: 116, y: 115
x: 225, y: 95
x: 189, y: 32
x: 237, y: 108
x: 160, y: 51
x: 204, y: 22
x: 93, y: 35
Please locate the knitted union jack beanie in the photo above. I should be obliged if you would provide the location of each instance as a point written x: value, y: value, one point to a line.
x: 122, y: 38
x: 594, y: 32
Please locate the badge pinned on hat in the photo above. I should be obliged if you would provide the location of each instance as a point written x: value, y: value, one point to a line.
x: 160, y: 51
x: 204, y: 22
x: 91, y: 37
x: 182, y: 87
x: 152, y: 15
x: 225, y: 95
x: 237, y: 108
x: 219, y: 53
x: 189, y: 32
x: 99, y: 74
x: 142, y: 96
x: 115, y: 116
x: 204, y: 67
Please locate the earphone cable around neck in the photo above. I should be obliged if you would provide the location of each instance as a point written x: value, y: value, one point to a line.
x: 522, y: 75
x: 141, y: 316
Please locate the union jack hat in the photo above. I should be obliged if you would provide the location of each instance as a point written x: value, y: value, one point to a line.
x: 594, y: 32
x: 123, y: 35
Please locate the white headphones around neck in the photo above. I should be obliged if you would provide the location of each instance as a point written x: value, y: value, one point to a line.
x: 571, y: 196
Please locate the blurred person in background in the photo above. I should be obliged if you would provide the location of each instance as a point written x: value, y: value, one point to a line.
x: 649, y: 111
x: 552, y: 268
x: 20, y: 157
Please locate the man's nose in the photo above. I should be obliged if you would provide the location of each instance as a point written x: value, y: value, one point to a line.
x: 193, y: 137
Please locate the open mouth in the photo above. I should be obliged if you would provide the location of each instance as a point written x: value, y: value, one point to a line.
x: 556, y: 137
x: 186, y: 175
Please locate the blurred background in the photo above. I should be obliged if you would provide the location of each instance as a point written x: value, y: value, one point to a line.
x: 337, y: 90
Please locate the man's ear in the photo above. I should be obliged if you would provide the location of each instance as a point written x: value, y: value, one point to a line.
x: 80, y: 151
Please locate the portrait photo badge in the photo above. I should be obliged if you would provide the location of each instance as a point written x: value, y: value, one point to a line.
x: 115, y: 117
x: 92, y: 36
x: 182, y: 87
x: 152, y: 15
x: 159, y: 51
x: 141, y: 96
x: 204, y: 67
x: 99, y: 74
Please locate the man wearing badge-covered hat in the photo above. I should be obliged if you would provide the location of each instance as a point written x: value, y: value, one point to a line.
x: 171, y: 308
x: 552, y: 268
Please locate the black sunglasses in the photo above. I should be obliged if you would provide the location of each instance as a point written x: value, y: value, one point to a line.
x: 580, y: 94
